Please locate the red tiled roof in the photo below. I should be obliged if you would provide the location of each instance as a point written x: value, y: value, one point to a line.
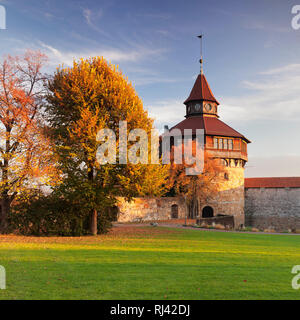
x: 201, y: 91
x: 190, y: 123
x: 211, y: 125
x: 216, y: 127
x: 285, y: 182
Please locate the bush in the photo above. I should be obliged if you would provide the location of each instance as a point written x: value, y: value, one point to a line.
x: 50, y: 215
x: 219, y: 227
x: 270, y: 230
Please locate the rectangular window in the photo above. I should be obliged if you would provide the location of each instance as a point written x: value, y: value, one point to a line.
x: 244, y: 146
x: 215, y: 143
x: 220, y: 143
x: 230, y: 144
x: 225, y: 144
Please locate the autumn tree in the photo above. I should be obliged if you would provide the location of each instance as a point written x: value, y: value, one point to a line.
x: 83, y: 99
x: 26, y: 158
x: 197, y: 188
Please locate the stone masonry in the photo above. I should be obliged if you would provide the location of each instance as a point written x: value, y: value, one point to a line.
x: 277, y: 208
x: 230, y: 197
x: 151, y: 209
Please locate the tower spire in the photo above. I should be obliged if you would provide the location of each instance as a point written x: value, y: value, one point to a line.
x: 201, y: 56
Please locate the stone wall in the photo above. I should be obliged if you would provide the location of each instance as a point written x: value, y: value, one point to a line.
x: 277, y: 208
x: 150, y: 209
x: 230, y: 198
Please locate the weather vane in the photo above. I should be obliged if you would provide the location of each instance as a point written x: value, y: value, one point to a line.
x: 201, y: 56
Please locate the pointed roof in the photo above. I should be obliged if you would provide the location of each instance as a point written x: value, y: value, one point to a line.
x: 201, y: 91
x: 212, y: 126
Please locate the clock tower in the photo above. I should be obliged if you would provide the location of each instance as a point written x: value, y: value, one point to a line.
x: 201, y: 101
x: 222, y: 142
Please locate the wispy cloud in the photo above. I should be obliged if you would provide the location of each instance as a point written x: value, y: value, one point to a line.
x: 92, y: 19
x: 166, y: 112
x: 274, y: 95
x: 253, y: 24
x: 295, y: 67
x: 49, y: 15
x: 273, y: 166
x: 150, y: 79
x: 160, y: 16
x: 114, y: 55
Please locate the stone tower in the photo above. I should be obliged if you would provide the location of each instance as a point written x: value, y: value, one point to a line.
x: 221, y: 142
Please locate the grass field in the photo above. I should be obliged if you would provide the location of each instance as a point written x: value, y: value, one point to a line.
x: 151, y: 263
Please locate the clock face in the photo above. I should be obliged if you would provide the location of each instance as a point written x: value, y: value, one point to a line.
x: 197, y: 107
x: 208, y: 107
x: 189, y: 109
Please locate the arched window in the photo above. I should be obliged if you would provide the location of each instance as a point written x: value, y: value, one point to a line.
x: 207, y: 212
x: 174, y: 211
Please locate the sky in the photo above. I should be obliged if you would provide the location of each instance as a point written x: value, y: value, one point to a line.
x: 251, y: 59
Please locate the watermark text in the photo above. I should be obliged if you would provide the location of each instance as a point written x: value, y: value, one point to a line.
x: 139, y: 147
x: 2, y: 17
x: 296, y: 19
x: 296, y: 279
x: 2, y: 278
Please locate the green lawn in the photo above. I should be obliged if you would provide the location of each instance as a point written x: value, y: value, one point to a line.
x: 151, y: 263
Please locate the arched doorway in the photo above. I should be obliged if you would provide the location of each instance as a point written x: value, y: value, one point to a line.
x: 207, y: 212
x: 174, y: 211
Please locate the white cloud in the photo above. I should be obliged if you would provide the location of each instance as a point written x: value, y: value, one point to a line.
x: 92, y: 17
x: 274, y: 95
x: 295, y: 67
x: 280, y: 166
x: 115, y: 55
x: 148, y: 79
x: 251, y: 24
x: 167, y: 112
x: 161, y: 16
x: 87, y: 13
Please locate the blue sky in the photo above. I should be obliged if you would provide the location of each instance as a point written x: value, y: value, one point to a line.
x: 251, y: 59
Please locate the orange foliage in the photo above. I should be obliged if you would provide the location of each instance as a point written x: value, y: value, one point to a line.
x: 196, y: 188
x: 26, y: 159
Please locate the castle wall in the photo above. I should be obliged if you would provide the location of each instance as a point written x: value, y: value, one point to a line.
x: 149, y: 209
x: 277, y: 208
x: 230, y: 198
x: 227, y: 199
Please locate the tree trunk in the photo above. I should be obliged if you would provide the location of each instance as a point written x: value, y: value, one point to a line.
x: 94, y: 214
x: 5, y: 200
x: 5, y: 209
x: 93, y: 224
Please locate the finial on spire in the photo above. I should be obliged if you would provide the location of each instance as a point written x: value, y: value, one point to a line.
x: 201, y: 56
